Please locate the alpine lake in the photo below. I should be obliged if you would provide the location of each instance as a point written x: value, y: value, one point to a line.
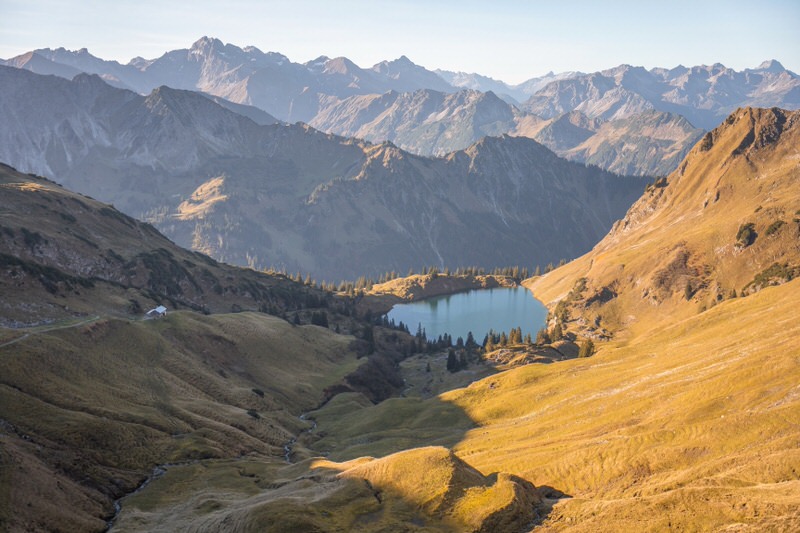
x: 476, y: 311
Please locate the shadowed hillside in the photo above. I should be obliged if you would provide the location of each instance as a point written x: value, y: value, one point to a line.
x: 63, y: 255
x: 93, y: 397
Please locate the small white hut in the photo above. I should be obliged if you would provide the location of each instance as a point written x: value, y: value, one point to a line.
x: 158, y: 312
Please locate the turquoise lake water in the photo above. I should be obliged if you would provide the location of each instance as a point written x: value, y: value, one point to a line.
x: 477, y: 311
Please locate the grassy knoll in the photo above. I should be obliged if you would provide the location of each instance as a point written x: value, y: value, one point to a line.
x: 423, y: 490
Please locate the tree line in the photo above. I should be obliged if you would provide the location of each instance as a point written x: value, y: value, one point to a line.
x: 365, y: 283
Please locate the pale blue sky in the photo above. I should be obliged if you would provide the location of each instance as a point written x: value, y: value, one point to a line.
x: 504, y: 39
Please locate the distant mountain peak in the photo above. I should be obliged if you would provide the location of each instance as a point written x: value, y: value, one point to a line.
x: 90, y: 79
x: 339, y: 65
x: 772, y: 65
x: 206, y: 42
x: 402, y: 62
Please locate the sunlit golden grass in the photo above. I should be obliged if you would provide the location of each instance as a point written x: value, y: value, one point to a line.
x: 699, y: 212
x: 680, y: 428
x: 444, y: 488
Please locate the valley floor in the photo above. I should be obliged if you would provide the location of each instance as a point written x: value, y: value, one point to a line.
x: 695, y: 428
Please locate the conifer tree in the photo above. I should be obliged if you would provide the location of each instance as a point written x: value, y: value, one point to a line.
x: 558, y: 334
x: 452, y: 362
x: 542, y: 337
x: 587, y: 349
x: 470, y: 344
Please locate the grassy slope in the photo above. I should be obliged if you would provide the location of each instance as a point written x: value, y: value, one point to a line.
x: 65, y: 256
x: 96, y: 406
x: 694, y: 427
x: 738, y: 174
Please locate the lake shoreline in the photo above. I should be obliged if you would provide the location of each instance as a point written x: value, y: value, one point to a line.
x: 383, y: 296
x: 477, y: 311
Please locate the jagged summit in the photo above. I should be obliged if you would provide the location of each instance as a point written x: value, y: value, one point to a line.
x: 704, y: 94
x: 771, y: 65
x: 207, y: 42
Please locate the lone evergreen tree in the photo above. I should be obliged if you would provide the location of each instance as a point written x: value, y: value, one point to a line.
x: 452, y: 362
x: 488, y: 345
x: 587, y: 349
x: 471, y: 344
x: 558, y: 334
x: 542, y: 337
x: 369, y: 336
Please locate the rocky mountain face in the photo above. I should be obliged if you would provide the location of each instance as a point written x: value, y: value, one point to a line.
x: 431, y: 123
x: 424, y: 122
x: 651, y: 143
x: 704, y: 95
x: 723, y: 225
x: 85, y: 132
x: 292, y: 197
x: 496, y: 191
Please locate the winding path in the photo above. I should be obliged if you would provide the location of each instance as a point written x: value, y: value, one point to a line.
x: 50, y: 328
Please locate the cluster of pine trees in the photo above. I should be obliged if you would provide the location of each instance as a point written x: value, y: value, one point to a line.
x: 364, y: 283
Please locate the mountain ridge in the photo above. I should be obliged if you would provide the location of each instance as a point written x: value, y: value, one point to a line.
x: 704, y: 94
x: 291, y: 91
x: 284, y: 196
x: 431, y: 123
x: 699, y: 216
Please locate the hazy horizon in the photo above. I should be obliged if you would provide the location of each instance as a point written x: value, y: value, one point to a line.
x: 505, y: 40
